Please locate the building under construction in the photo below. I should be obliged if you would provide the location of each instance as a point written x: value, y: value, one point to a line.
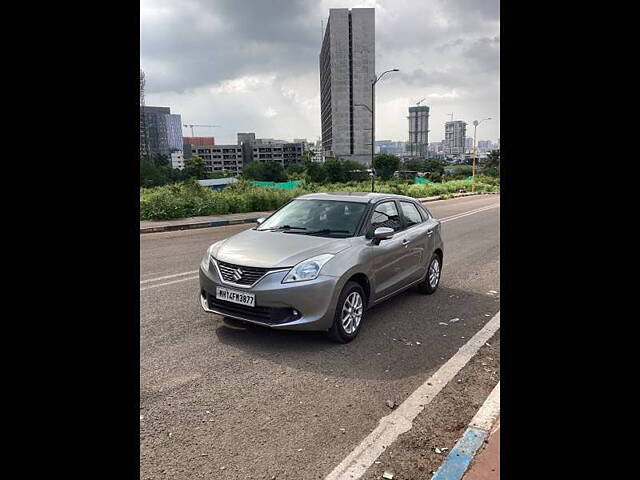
x: 418, y: 131
x: 454, y: 137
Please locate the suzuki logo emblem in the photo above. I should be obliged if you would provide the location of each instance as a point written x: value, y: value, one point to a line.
x: 237, y: 274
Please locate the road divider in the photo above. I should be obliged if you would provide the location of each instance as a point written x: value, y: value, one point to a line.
x: 461, y: 456
x: 401, y: 420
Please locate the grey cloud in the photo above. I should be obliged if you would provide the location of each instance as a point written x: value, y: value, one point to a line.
x: 424, y: 79
x: 485, y: 53
x: 186, y: 45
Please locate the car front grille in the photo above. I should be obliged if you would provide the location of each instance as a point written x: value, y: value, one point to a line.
x: 269, y: 315
x: 248, y: 275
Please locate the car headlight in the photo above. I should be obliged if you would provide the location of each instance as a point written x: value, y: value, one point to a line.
x: 308, y: 269
x: 205, y: 259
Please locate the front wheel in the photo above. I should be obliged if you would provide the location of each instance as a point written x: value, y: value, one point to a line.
x: 350, y: 312
x: 432, y: 280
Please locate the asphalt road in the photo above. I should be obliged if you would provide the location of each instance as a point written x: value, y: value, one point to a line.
x: 218, y: 401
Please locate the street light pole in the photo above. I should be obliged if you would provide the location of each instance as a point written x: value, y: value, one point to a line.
x: 373, y: 131
x: 475, y: 153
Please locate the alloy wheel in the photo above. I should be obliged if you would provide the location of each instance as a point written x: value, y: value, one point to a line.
x: 434, y: 273
x: 352, y: 312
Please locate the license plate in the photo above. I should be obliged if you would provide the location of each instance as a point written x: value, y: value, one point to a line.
x: 228, y: 295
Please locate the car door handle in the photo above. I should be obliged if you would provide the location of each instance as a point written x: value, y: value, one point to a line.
x: 405, y: 242
x: 429, y: 232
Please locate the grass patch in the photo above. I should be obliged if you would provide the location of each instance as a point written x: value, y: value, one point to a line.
x: 190, y: 199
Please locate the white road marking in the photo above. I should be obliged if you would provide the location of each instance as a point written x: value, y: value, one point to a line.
x: 470, y: 212
x: 489, y: 412
x: 168, y: 276
x: 400, y: 420
x: 442, y: 220
x: 168, y: 283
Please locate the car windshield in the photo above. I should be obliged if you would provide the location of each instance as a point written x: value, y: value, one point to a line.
x: 316, y: 217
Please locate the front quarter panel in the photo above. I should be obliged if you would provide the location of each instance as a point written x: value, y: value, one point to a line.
x: 349, y: 262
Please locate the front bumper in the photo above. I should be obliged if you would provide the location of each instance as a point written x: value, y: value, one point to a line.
x: 306, y: 305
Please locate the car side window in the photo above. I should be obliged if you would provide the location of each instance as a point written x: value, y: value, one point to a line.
x: 411, y: 214
x: 386, y: 215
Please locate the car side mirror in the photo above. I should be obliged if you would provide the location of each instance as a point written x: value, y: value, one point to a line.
x: 260, y: 220
x: 382, y: 233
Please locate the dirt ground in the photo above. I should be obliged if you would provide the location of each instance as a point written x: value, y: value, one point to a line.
x: 441, y: 424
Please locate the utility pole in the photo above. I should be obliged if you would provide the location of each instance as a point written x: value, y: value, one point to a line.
x: 475, y: 152
x: 373, y: 131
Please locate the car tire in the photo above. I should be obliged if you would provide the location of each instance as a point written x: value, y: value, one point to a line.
x: 431, y: 282
x: 352, y: 294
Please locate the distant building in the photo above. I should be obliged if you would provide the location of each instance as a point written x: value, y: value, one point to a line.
x: 484, y: 145
x: 347, y: 69
x: 454, y: 137
x: 285, y: 153
x: 216, y: 157
x: 418, y: 143
x: 468, y: 144
x: 318, y: 156
x: 199, y: 140
x: 390, y: 147
x: 269, y: 149
x: 177, y: 160
x: 163, y: 130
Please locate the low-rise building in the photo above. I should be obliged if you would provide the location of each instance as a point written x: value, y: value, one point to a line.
x: 284, y: 153
x: 217, y: 157
x: 177, y: 160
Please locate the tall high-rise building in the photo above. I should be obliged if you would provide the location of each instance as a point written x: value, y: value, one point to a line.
x: 347, y: 70
x: 454, y: 137
x: 418, y: 131
x: 163, y: 130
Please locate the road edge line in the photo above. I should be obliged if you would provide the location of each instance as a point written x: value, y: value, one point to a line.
x: 390, y: 427
x: 462, y: 454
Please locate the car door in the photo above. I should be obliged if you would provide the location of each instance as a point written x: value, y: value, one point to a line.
x: 417, y: 240
x: 389, y: 260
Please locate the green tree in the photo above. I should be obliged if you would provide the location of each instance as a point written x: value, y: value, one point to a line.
x: 491, y: 164
x: 264, y: 172
x: 335, y: 170
x: 435, y: 168
x: 295, y: 169
x: 415, y: 164
x: 155, y: 171
x: 386, y: 164
x: 350, y: 168
x: 194, y: 168
x: 315, y: 172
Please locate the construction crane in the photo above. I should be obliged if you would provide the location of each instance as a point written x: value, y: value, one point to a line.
x: 191, y: 127
x: 420, y: 101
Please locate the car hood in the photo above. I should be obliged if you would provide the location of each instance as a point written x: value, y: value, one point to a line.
x: 266, y: 249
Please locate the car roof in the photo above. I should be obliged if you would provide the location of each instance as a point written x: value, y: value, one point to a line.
x: 359, y: 197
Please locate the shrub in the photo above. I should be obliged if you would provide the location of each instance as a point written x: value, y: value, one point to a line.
x: 190, y: 199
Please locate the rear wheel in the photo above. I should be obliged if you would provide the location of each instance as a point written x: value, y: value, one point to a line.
x: 350, y: 312
x: 432, y: 280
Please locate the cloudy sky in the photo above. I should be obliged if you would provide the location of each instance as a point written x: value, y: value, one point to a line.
x: 252, y: 65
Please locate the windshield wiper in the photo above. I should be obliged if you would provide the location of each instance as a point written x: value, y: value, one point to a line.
x: 284, y: 227
x: 323, y: 231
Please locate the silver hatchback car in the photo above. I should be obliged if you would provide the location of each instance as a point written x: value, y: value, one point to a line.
x: 321, y: 260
